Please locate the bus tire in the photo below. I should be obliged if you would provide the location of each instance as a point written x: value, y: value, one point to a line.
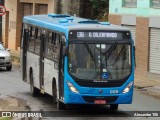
x: 54, y: 91
x: 34, y: 91
x: 114, y: 107
x: 60, y: 105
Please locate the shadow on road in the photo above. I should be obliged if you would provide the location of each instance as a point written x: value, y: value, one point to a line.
x: 78, y: 110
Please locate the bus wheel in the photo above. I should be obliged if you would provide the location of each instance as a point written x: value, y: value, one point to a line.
x: 60, y: 105
x: 34, y: 90
x: 114, y: 107
x: 54, y: 92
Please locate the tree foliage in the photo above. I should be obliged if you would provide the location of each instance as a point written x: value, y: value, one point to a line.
x: 99, y: 7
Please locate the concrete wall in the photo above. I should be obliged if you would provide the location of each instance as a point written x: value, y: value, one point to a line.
x: 143, y: 8
x: 70, y: 7
x: 145, y: 18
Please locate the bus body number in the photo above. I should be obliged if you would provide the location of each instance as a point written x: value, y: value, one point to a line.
x: 113, y: 91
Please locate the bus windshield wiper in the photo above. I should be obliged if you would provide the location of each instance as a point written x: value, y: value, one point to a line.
x: 90, y: 51
x: 110, y: 50
x: 121, y: 53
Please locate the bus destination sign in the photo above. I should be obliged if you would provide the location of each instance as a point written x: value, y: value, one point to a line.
x: 96, y: 35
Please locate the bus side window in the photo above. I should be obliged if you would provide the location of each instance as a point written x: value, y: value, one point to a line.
x: 50, y: 45
x: 56, y: 48
x: 31, y: 45
x: 54, y: 38
x: 38, y: 40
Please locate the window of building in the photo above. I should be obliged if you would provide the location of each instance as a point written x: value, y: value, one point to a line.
x: 155, y: 3
x: 129, y: 3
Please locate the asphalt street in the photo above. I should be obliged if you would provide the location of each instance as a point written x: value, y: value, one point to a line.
x: 11, y: 85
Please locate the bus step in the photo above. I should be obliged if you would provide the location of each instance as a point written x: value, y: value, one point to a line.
x: 42, y: 91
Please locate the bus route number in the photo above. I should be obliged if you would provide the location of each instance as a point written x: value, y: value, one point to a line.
x: 80, y: 34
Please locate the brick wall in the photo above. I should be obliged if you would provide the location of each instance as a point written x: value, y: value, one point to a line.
x: 19, y: 24
x: 142, y: 46
x: 115, y: 19
x: 6, y: 29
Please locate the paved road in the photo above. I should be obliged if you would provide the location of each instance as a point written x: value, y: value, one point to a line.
x: 12, y: 85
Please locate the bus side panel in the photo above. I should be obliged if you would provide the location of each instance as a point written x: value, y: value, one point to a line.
x: 33, y: 62
x: 21, y: 63
x: 50, y: 72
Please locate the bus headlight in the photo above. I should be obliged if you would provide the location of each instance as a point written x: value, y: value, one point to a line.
x: 127, y: 89
x: 72, y: 88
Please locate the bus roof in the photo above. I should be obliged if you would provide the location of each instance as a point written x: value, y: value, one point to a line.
x: 63, y: 23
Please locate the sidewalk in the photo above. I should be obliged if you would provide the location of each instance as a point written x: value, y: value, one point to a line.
x: 142, y: 83
x: 148, y: 86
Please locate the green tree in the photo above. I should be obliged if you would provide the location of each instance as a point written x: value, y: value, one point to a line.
x: 99, y: 8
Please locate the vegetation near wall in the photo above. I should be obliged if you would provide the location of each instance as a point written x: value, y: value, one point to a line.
x: 92, y: 9
x: 99, y: 8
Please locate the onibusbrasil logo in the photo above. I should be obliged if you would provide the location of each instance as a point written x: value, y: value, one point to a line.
x: 2, y: 10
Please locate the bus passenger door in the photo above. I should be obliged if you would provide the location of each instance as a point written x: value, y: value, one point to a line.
x: 25, y: 36
x: 61, y: 68
x: 41, y: 60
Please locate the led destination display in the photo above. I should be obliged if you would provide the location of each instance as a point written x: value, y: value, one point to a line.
x: 103, y: 35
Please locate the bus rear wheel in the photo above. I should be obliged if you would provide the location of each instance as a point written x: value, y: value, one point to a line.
x: 54, y: 92
x: 34, y: 91
x: 114, y: 107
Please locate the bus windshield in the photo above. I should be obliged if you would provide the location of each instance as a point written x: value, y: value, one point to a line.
x: 99, y: 62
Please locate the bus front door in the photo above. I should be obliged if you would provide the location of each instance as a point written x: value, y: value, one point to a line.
x: 24, y: 54
x: 61, y: 69
x: 41, y: 68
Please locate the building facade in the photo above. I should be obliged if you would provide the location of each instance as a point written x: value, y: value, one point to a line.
x: 142, y: 17
x: 1, y: 3
x: 12, y: 20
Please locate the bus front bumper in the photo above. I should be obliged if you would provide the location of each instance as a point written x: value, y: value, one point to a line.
x: 73, y: 98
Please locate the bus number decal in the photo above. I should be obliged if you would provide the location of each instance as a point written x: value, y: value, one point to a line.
x: 113, y: 91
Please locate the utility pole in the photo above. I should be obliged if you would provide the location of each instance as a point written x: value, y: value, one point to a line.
x: 1, y: 3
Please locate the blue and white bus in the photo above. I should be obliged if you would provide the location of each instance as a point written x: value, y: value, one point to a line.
x: 77, y: 61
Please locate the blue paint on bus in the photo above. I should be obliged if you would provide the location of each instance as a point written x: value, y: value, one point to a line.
x: 63, y: 24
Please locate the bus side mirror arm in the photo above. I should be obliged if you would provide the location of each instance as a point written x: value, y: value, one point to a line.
x: 65, y: 48
x: 65, y: 51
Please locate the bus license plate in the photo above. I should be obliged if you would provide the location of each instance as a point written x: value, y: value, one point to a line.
x: 100, y: 101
